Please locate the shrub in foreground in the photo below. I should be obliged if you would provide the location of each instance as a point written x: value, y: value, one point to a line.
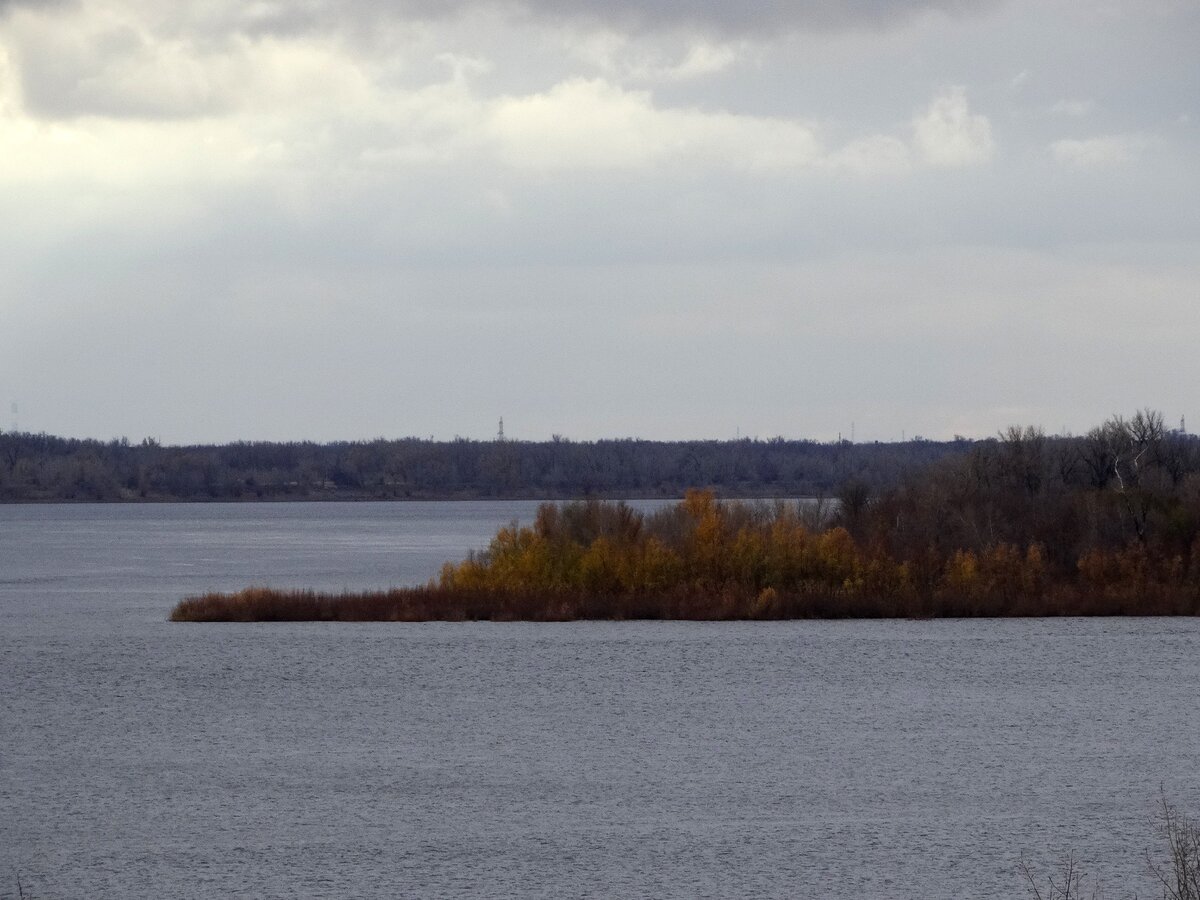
x: 1176, y: 872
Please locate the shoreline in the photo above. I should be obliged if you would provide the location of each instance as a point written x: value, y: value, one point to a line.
x: 440, y: 604
x: 750, y: 497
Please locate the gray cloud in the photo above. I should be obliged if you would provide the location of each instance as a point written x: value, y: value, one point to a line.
x: 157, y: 61
x: 6, y: 5
x: 752, y: 18
x: 714, y: 16
x: 463, y: 213
x: 119, y: 71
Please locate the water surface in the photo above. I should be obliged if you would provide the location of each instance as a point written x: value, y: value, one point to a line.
x: 144, y: 759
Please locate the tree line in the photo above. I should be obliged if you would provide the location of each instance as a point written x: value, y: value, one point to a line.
x: 1022, y: 474
x: 39, y: 467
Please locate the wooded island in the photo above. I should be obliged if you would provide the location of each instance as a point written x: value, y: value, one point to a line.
x: 1107, y: 524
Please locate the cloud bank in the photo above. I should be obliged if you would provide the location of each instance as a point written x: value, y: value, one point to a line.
x: 308, y: 219
x: 289, y: 17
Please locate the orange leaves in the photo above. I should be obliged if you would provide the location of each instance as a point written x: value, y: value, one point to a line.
x: 837, y: 555
x: 1095, y: 568
x: 1001, y: 571
x: 1035, y: 574
x: 699, y: 504
x: 701, y: 543
x: 599, y: 568
x: 654, y: 567
x: 761, y: 562
x: 962, y: 573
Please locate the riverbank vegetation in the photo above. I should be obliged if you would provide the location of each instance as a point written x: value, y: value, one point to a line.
x: 1016, y: 527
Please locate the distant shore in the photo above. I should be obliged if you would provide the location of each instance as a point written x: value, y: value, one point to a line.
x: 37, y: 468
x: 431, y: 498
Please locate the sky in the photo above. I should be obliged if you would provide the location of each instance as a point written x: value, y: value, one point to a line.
x: 263, y: 220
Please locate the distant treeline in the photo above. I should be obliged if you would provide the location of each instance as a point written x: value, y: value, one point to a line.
x: 1022, y: 526
x: 38, y: 467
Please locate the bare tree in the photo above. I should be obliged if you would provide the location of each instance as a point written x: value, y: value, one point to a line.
x: 1180, y: 876
x: 1069, y: 887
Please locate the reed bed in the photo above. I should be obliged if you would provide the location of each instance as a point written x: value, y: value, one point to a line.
x: 440, y: 604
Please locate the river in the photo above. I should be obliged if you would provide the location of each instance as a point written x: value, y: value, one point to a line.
x: 895, y: 759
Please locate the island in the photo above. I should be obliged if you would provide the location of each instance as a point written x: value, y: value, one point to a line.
x: 1107, y: 524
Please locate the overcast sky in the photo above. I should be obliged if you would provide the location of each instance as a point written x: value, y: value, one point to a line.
x: 599, y: 218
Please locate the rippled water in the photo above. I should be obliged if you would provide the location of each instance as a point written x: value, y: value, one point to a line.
x: 143, y: 759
